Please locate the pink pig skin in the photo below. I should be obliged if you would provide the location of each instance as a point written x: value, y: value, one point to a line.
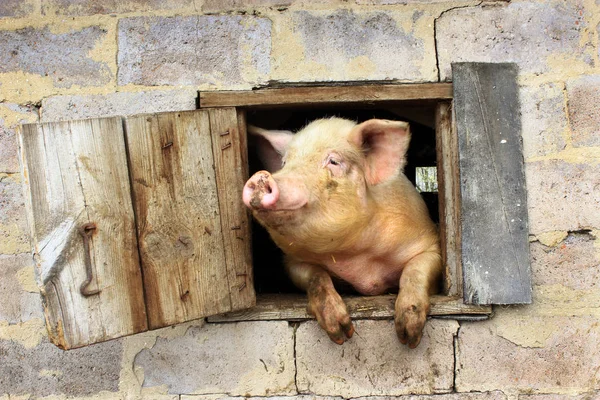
x: 337, y: 203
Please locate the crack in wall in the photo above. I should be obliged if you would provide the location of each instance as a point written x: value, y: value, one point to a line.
x: 295, y: 326
x: 568, y: 136
x: 435, y: 35
x: 455, y: 353
x: 554, y: 238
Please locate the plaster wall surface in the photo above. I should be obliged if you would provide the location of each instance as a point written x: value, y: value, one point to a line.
x: 66, y: 59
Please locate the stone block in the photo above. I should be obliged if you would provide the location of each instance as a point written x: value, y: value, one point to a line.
x: 584, y: 97
x: 562, y: 196
x: 47, y: 370
x: 594, y: 395
x: 558, y: 299
x: 573, y: 263
x: 196, y: 50
x: 530, y: 34
x: 91, y: 7
x: 16, y: 8
x: 403, y: 2
x: 226, y: 397
x: 497, y: 395
x: 454, y: 396
x: 12, y: 115
x: 349, y: 45
x: 61, y: 108
x: 245, y: 359
x: 217, y: 6
x: 374, y: 362
x: 14, y: 230
x: 19, y: 299
x: 528, y: 354
x: 543, y: 119
x: 62, y: 57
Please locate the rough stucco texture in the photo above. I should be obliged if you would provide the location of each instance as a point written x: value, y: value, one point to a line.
x: 587, y: 396
x: 90, y: 7
x: 215, y: 6
x: 584, y: 97
x: 562, y: 196
x: 10, y: 116
x: 496, y: 395
x: 14, y: 231
x: 374, y: 362
x: 543, y: 119
x: 45, y: 369
x: 16, y: 304
x: 193, y: 50
x: 63, y: 57
x: 527, y: 33
x: 564, y: 352
x: 62, y: 108
x: 15, y: 8
x: 412, y: 2
x: 573, y: 263
x: 336, y: 41
x: 243, y: 358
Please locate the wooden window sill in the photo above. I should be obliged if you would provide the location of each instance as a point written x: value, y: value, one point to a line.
x: 292, y: 307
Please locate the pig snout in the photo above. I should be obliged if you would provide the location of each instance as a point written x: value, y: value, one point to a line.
x: 261, y: 191
x: 264, y: 192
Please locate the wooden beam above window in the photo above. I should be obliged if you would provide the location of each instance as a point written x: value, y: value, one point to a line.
x: 338, y: 94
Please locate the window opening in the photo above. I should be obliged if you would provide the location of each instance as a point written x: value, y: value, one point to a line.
x: 269, y: 272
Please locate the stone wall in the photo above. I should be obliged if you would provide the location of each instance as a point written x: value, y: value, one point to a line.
x: 66, y: 59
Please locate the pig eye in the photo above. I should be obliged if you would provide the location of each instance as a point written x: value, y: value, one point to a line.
x: 334, y: 163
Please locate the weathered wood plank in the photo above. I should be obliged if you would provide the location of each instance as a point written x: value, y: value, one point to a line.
x: 228, y: 131
x: 177, y: 210
x: 76, y: 173
x: 292, y: 307
x: 494, y: 231
x: 449, y: 198
x: 326, y: 95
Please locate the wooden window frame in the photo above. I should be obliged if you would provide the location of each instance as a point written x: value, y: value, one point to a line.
x: 450, y: 304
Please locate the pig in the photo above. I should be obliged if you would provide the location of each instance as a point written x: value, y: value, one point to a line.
x: 336, y: 201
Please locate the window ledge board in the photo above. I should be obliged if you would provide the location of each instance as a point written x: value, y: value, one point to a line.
x: 292, y: 307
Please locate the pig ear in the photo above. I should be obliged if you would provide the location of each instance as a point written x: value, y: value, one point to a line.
x: 385, y: 144
x: 271, y: 146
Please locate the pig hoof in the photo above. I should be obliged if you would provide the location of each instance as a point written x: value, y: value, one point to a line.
x: 332, y: 315
x: 410, y: 319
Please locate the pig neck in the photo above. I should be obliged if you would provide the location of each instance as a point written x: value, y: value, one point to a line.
x: 312, y: 241
x: 393, y: 228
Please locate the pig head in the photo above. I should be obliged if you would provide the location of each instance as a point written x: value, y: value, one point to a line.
x: 335, y: 200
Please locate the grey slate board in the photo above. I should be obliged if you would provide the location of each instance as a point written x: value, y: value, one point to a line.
x: 495, y: 246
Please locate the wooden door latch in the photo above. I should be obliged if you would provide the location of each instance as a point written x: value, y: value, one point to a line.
x: 86, y: 231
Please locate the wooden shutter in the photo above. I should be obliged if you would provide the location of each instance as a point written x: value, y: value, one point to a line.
x: 188, y: 170
x: 172, y: 183
x: 77, y: 176
x: 494, y: 224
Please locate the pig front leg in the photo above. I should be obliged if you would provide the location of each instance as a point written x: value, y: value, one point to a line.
x: 419, y: 279
x: 324, y: 302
